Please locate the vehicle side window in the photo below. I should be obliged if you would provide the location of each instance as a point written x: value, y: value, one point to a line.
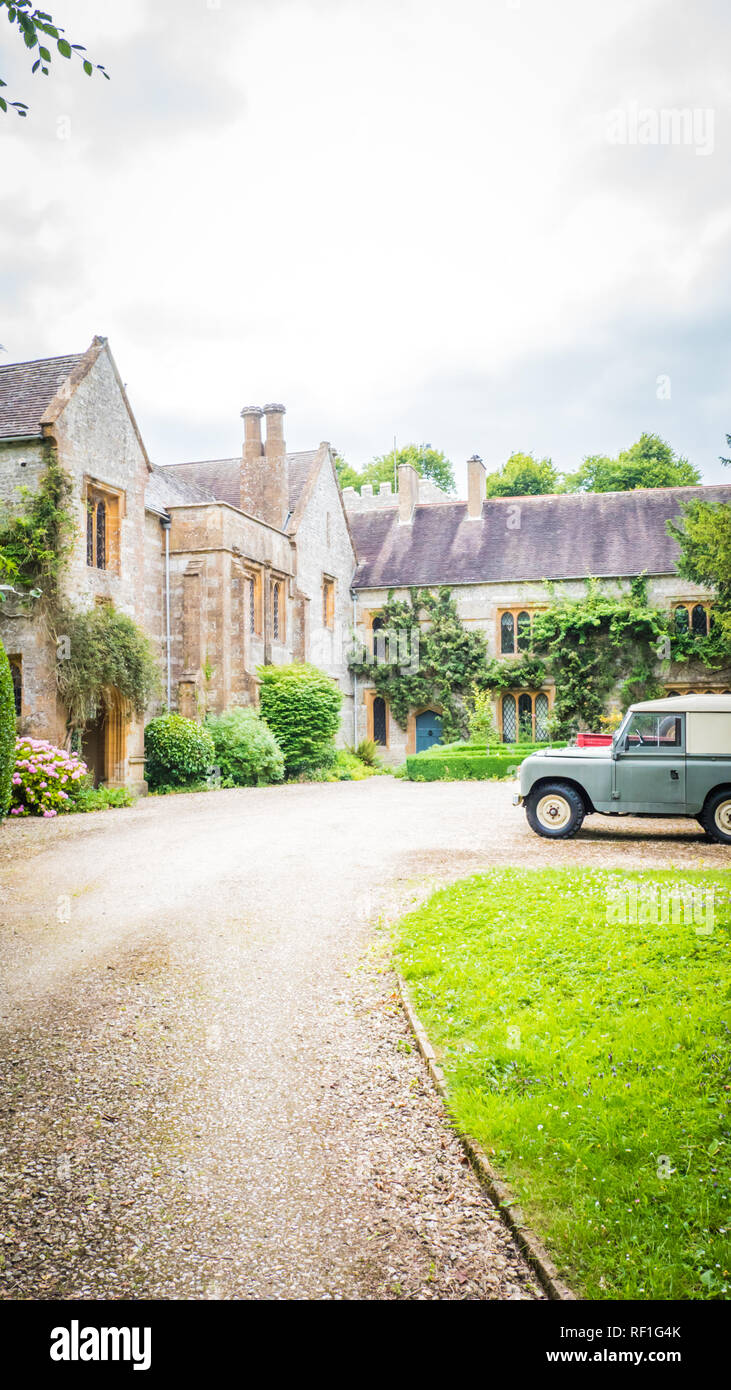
x: 658, y: 731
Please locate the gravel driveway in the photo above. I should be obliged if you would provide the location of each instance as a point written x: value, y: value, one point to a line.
x: 207, y: 1085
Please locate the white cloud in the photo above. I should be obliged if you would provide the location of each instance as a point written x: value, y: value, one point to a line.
x: 352, y: 205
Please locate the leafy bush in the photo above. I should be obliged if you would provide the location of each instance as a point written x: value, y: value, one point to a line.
x: 89, y: 798
x: 105, y: 650
x: 7, y: 732
x: 177, y: 750
x: 367, y: 751
x: 301, y: 705
x: 46, y: 780
x: 480, y: 716
x: 247, y: 752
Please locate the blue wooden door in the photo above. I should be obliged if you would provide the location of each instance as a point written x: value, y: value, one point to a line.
x: 428, y: 730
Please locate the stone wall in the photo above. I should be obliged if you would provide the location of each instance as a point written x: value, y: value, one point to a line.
x: 479, y: 607
x: 324, y: 549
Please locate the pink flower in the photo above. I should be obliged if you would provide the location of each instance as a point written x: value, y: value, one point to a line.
x: 43, y: 786
x: 47, y: 814
x: 64, y: 796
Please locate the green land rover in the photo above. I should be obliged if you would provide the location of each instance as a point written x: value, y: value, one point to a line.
x: 669, y: 757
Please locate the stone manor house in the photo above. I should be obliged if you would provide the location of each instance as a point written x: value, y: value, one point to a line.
x: 231, y: 564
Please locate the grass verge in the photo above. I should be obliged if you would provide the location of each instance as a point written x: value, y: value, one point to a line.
x: 590, y: 1058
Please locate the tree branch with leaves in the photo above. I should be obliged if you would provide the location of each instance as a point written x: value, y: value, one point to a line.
x: 34, y: 27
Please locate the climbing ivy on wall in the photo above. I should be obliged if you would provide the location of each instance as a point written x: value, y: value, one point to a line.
x: 593, y: 643
x: 437, y: 663
x: 607, y: 638
x: 98, y: 649
x: 36, y: 540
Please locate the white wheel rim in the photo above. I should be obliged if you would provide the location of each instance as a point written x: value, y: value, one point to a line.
x: 723, y: 817
x: 553, y: 812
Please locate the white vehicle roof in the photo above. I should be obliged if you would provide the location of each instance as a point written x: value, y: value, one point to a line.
x: 684, y: 704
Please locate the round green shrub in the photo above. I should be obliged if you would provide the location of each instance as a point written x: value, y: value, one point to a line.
x: 247, y: 753
x: 7, y: 732
x: 301, y: 705
x: 177, y: 751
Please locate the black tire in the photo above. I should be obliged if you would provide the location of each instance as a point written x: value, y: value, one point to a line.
x: 716, y: 816
x: 555, y: 810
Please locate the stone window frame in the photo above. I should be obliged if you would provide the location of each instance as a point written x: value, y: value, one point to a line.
x: 96, y: 494
x: 516, y: 611
x: 371, y: 696
x: 278, y: 605
x: 532, y: 695
x: 254, y: 599
x: 690, y: 605
x: 328, y: 601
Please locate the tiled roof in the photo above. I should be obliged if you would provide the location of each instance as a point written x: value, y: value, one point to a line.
x: 27, y: 388
x: 164, y: 491
x: 556, y: 537
x: 219, y: 478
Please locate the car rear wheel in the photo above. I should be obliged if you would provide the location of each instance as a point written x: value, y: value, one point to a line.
x: 555, y: 810
x: 716, y: 817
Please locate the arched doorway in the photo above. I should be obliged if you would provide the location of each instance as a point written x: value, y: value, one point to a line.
x: 104, y: 741
x: 428, y: 730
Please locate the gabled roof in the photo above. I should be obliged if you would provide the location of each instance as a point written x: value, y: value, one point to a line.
x: 572, y: 536
x: 34, y: 394
x: 26, y: 391
x: 219, y: 479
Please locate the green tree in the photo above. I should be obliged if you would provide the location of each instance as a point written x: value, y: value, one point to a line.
x: 428, y: 462
x: 704, y: 536
x: 523, y: 476
x: 34, y: 26
x: 649, y: 463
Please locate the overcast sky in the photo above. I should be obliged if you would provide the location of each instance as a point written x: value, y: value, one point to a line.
x: 420, y: 218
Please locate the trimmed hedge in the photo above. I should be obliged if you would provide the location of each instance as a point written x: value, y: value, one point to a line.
x: 247, y: 752
x: 177, y: 751
x: 7, y: 732
x: 468, y: 762
x: 301, y: 705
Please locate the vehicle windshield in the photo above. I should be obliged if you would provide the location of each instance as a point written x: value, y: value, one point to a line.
x: 652, y: 730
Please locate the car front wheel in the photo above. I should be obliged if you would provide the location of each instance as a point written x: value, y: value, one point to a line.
x: 555, y: 810
x: 716, y: 817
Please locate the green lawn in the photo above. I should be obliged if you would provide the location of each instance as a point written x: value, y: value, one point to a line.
x: 589, y: 1057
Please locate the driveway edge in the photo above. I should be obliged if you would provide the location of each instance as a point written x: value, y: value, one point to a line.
x: 535, y: 1253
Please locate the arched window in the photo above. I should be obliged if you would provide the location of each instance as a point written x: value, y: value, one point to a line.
x: 509, y: 720
x: 252, y: 606
x: 672, y: 694
x: 101, y: 535
x: 507, y: 633
x: 541, y: 716
x: 699, y: 621
x: 17, y: 677
x: 524, y: 632
x: 681, y: 618
x: 379, y: 721
x: 275, y: 610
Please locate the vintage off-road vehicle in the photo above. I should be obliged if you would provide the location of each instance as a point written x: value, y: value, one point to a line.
x: 669, y: 757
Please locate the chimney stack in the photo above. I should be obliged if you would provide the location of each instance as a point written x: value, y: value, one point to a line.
x: 476, y: 474
x: 264, y: 476
x: 408, y: 493
x: 275, y: 430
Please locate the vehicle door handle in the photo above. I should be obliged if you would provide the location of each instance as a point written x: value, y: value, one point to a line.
x: 674, y: 775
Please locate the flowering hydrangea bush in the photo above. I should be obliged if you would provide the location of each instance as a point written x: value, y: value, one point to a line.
x: 45, y: 780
